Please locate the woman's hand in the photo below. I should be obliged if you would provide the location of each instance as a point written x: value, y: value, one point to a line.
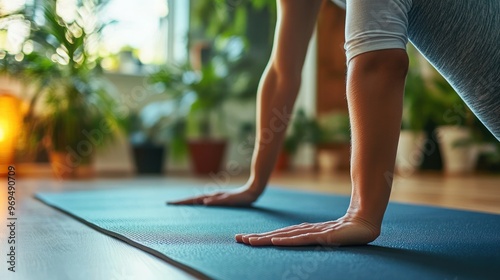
x: 344, y: 231
x: 239, y: 197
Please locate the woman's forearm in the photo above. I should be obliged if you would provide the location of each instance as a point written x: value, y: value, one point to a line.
x: 375, y: 88
x: 280, y: 84
x: 275, y: 100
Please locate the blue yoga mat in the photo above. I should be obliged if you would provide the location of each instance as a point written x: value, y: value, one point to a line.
x: 417, y: 242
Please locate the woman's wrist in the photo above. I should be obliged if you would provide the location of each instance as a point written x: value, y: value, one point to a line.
x: 253, y: 187
x: 371, y: 215
x: 373, y: 225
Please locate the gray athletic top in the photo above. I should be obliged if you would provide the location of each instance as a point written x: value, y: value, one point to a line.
x: 460, y: 38
x: 375, y: 25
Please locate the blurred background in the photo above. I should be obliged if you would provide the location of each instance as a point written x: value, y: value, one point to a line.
x: 113, y: 88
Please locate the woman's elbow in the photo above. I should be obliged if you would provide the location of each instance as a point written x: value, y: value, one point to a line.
x: 392, y: 62
x: 284, y: 80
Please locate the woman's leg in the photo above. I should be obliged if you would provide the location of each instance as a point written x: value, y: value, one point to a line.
x: 461, y: 38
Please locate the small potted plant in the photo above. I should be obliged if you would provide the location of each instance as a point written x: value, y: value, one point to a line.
x: 334, y: 149
x: 159, y: 127
x: 415, y: 116
x: 209, y: 91
x: 302, y: 130
x: 203, y: 92
x: 489, y: 158
x: 457, y: 130
x: 151, y: 131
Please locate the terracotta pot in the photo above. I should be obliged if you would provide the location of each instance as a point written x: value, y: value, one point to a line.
x: 283, y: 162
x: 66, y: 166
x: 206, y: 155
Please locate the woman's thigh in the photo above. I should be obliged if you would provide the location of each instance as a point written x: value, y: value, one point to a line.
x: 461, y: 38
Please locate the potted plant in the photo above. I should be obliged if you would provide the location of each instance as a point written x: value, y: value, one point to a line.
x: 201, y: 94
x: 204, y: 92
x: 72, y: 103
x: 302, y: 130
x: 209, y: 91
x: 415, y: 116
x: 334, y: 149
x: 159, y: 127
x: 151, y: 131
x: 457, y: 131
x: 489, y: 158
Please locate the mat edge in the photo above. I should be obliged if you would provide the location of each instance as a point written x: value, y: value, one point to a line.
x: 191, y: 271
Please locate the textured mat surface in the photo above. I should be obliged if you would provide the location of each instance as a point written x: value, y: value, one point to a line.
x: 416, y: 243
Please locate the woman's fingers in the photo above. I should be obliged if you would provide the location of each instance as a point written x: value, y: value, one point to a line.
x: 198, y: 200
x: 344, y: 231
x: 302, y: 240
x: 230, y: 198
x: 243, y: 238
x: 286, y: 229
x: 223, y: 199
x: 189, y: 201
x: 239, y: 237
x: 267, y: 239
x: 298, y: 238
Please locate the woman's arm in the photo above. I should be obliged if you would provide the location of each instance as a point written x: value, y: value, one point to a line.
x: 375, y: 84
x: 276, y: 96
x: 281, y: 83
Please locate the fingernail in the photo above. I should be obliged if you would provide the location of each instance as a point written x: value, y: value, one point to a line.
x: 245, y: 238
x: 207, y: 200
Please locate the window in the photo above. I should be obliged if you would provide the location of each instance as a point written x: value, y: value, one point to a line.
x: 153, y: 31
x: 141, y: 32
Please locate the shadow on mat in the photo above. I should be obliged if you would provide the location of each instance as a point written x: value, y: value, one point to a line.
x: 292, y: 217
x: 286, y: 216
x: 448, y: 265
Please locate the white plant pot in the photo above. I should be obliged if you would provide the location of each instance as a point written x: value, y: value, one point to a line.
x: 328, y: 161
x: 410, y: 147
x: 457, y: 159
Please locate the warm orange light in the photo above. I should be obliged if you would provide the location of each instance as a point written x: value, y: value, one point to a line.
x: 2, y: 134
x: 10, y: 123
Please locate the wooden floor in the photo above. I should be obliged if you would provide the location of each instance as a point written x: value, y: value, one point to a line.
x: 51, y: 245
x: 469, y: 192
